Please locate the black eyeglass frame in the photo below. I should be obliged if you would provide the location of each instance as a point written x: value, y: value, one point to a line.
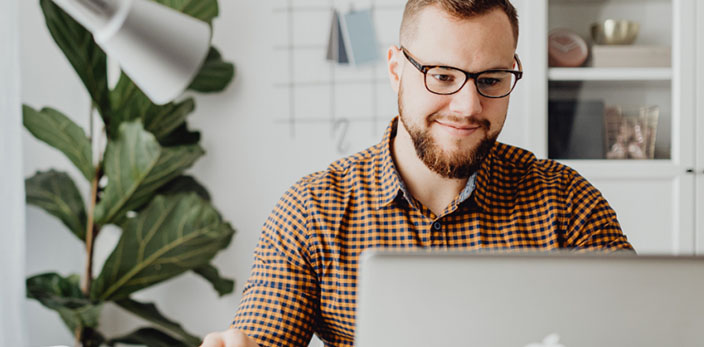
x: 468, y: 75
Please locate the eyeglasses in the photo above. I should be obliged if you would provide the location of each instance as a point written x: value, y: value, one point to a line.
x: 446, y: 80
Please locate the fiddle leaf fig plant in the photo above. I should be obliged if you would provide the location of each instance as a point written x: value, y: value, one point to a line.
x: 137, y: 183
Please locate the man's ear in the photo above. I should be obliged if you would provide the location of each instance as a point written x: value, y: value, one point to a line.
x: 394, y: 64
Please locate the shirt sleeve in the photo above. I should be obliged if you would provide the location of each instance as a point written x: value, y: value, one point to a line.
x: 280, y: 301
x: 591, y: 222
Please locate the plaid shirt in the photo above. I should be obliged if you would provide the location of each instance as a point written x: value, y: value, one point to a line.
x: 304, y: 275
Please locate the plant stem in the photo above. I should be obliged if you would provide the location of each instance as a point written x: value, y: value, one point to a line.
x: 91, y: 232
x: 91, y: 229
x: 77, y: 333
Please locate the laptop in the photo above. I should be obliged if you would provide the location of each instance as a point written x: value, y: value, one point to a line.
x: 423, y: 298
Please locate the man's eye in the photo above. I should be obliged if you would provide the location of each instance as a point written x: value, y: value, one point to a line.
x: 489, y: 82
x: 443, y: 77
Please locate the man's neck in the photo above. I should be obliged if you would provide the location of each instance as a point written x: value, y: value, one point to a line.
x: 426, y: 186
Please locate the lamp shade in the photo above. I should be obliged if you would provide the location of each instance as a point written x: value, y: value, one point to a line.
x: 159, y: 48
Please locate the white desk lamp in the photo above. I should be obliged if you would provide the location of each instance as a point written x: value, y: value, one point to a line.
x: 159, y: 48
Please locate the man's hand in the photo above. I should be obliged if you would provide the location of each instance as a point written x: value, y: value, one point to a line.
x: 228, y: 338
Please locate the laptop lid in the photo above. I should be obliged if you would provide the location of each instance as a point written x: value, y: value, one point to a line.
x: 425, y: 298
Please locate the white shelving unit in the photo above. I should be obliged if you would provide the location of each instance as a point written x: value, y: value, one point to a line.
x: 640, y: 169
x: 699, y: 128
x: 656, y: 200
x: 609, y: 74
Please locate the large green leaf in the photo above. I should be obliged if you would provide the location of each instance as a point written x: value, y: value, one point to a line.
x: 56, y: 193
x: 91, y: 338
x: 60, y: 132
x: 89, y: 61
x: 131, y: 103
x: 181, y: 136
x: 128, y: 103
x: 64, y: 296
x: 173, y: 234
x: 214, y: 75
x: 136, y: 166
x: 222, y: 285
x: 204, y: 10
x: 150, y: 337
x: 178, y: 185
x: 163, y: 120
x: 184, y: 184
x: 149, y: 312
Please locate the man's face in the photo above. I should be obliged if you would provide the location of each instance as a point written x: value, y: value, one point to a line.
x: 452, y: 134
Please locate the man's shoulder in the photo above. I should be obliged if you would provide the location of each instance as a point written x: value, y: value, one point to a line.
x: 344, y: 173
x: 516, y: 174
x: 518, y: 162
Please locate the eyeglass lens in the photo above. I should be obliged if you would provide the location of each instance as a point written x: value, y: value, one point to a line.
x: 444, y: 80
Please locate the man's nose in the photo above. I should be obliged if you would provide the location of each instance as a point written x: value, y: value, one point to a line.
x: 467, y: 101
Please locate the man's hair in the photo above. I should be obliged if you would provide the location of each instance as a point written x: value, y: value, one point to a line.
x: 461, y: 9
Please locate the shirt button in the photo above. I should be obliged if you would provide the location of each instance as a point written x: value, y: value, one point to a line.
x: 437, y: 226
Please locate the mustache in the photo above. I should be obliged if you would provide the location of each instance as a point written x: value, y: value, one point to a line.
x: 471, y: 120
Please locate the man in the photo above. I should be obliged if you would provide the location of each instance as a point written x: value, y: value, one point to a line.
x: 438, y: 180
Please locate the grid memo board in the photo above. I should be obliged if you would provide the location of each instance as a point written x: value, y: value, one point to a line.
x: 318, y: 91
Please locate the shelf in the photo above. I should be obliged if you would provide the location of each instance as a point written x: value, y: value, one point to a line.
x: 609, y: 74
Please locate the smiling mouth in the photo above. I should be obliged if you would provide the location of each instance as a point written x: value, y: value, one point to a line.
x: 459, y: 129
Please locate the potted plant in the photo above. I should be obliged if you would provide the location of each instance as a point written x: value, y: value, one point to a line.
x: 137, y: 183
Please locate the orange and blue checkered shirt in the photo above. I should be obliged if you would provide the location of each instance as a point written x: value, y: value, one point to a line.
x: 304, y: 276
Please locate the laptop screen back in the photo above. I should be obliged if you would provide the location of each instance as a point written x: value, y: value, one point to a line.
x: 469, y: 299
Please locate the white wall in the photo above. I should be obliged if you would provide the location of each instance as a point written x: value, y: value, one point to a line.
x: 12, y: 293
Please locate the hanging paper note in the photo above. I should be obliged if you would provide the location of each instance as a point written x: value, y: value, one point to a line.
x: 360, y: 37
x: 353, y: 38
x: 336, y: 45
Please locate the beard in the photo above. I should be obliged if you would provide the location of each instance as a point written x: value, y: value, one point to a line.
x: 459, y: 164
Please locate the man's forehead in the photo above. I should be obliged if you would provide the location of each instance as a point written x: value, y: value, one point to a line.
x: 480, y: 42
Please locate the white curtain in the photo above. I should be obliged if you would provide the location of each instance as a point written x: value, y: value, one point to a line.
x: 12, y: 205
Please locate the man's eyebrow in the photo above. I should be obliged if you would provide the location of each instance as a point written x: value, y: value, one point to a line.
x: 503, y: 67
x: 496, y: 67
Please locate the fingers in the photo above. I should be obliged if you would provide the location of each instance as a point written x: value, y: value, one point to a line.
x: 235, y: 338
x: 213, y: 340
x: 228, y: 338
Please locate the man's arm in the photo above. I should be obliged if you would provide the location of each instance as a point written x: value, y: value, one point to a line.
x: 280, y: 301
x: 591, y: 222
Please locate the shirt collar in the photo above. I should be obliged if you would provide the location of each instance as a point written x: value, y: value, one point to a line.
x: 392, y: 184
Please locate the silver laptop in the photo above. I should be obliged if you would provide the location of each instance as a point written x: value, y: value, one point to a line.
x: 535, y: 300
